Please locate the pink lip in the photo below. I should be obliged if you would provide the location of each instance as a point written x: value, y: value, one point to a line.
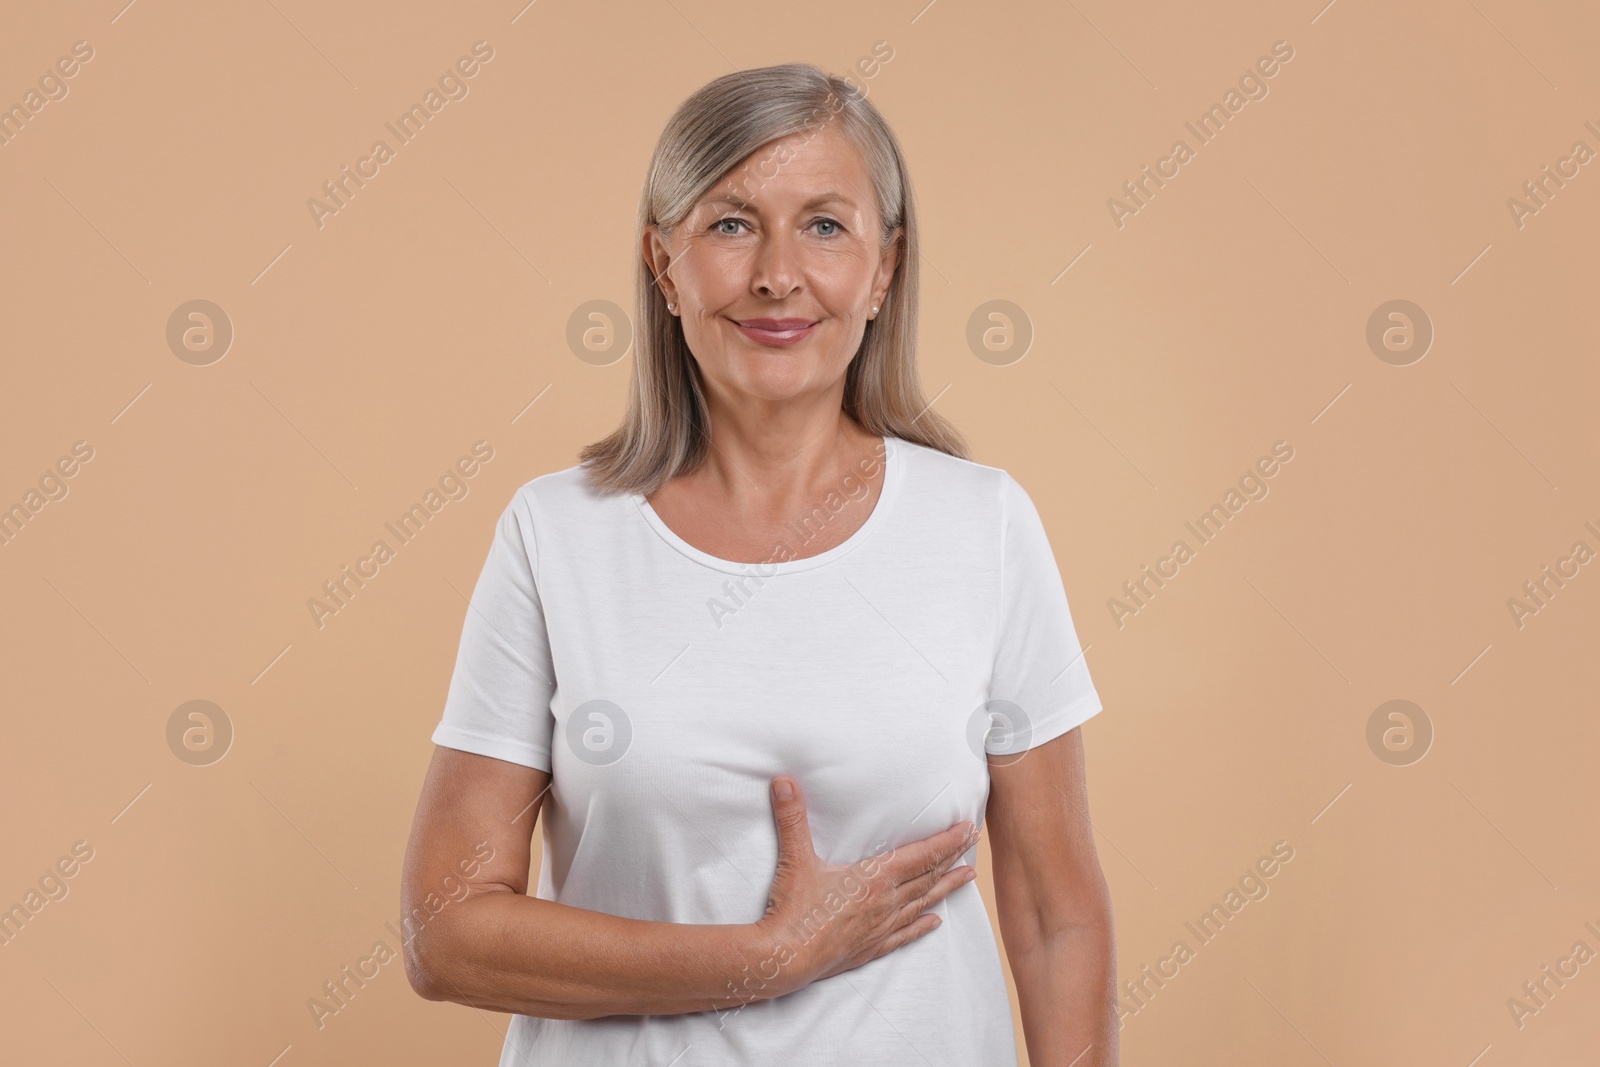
x: 779, y: 333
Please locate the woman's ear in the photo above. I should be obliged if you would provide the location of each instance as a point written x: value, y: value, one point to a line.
x: 657, y: 258
x: 888, y: 263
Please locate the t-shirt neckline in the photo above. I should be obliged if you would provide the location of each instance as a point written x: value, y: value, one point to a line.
x: 891, y: 484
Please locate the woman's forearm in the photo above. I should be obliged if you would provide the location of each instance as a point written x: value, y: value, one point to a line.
x: 1066, y: 988
x: 513, y: 953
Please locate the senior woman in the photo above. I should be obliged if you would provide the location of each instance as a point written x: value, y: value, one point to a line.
x: 764, y: 662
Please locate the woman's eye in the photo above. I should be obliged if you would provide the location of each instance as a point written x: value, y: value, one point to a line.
x: 731, y: 221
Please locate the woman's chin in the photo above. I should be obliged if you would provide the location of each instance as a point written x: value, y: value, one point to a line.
x: 775, y: 379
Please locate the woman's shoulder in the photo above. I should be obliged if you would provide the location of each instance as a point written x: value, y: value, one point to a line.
x: 936, y: 474
x: 567, y: 499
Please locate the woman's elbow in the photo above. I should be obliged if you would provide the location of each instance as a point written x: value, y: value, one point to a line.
x: 434, y: 960
x: 431, y: 974
x: 423, y: 973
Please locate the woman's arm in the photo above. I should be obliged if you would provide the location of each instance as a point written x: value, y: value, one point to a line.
x: 1053, y: 904
x: 476, y: 938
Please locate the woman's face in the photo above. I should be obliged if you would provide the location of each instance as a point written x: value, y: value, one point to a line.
x: 776, y: 270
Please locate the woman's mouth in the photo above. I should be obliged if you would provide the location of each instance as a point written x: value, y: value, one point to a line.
x: 778, y: 333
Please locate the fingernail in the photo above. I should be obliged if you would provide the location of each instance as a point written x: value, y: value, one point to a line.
x: 969, y: 876
x: 782, y: 789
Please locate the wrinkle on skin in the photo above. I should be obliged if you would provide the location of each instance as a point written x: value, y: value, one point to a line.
x: 792, y: 232
x: 778, y: 251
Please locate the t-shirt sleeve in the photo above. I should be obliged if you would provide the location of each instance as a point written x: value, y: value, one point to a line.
x: 1040, y: 687
x: 498, y: 703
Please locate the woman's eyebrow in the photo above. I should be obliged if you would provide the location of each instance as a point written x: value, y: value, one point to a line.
x: 820, y: 199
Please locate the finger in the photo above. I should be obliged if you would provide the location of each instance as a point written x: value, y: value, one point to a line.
x: 931, y: 854
x: 940, y: 889
x: 967, y: 842
x: 917, y: 858
x: 921, y: 926
x: 795, y: 849
x: 917, y: 888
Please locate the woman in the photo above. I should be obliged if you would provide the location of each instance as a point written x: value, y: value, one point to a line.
x: 763, y: 663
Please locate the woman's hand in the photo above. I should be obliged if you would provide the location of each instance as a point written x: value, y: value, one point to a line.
x: 830, y: 919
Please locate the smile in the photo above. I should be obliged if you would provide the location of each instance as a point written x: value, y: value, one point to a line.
x: 778, y: 333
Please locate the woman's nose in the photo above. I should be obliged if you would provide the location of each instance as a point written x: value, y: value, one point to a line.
x: 776, y: 268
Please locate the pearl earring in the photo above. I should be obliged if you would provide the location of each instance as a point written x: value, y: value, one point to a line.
x: 671, y: 305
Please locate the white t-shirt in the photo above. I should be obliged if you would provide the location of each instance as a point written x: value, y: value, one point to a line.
x: 663, y: 687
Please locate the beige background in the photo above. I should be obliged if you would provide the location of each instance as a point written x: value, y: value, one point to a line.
x: 430, y: 312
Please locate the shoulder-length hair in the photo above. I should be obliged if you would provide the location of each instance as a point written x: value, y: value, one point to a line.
x: 665, y: 430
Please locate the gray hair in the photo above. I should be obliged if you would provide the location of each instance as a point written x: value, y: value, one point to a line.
x: 665, y: 430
